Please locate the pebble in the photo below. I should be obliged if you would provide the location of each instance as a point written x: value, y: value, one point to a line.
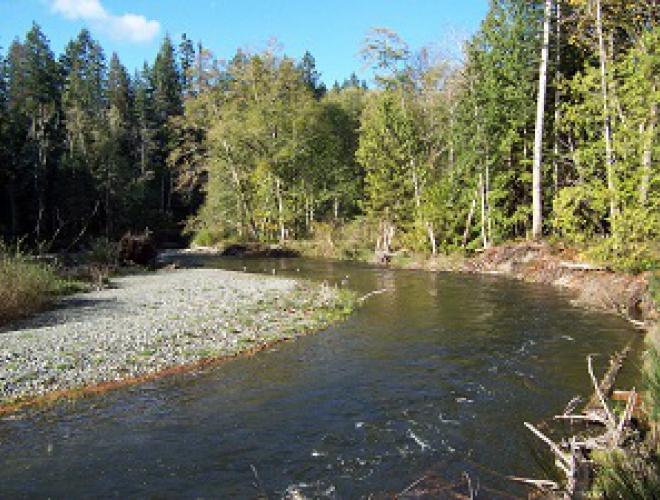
x: 147, y: 323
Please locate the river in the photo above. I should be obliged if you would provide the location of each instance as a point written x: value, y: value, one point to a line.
x: 435, y: 376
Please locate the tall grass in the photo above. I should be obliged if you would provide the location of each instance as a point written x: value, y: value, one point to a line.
x: 27, y: 286
x: 627, y: 475
x: 652, y: 384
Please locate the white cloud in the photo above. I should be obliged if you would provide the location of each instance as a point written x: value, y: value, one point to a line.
x: 80, y: 9
x: 134, y: 28
x: 126, y: 27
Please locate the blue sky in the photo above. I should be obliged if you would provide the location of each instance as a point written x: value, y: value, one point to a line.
x: 332, y: 30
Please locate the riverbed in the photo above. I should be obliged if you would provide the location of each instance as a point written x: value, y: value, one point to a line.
x: 436, y: 373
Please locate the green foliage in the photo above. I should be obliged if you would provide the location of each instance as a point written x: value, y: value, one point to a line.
x: 437, y: 156
x: 578, y: 212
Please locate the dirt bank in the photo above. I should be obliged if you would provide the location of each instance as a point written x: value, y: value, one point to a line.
x: 594, y: 286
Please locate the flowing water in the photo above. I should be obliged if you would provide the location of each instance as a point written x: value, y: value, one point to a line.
x: 438, y: 373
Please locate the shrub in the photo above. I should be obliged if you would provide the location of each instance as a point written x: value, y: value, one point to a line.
x: 138, y: 249
x: 26, y: 286
x: 103, y: 252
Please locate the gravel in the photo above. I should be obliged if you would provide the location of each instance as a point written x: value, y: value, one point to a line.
x: 147, y: 323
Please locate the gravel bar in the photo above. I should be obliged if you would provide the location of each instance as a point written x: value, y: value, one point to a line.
x: 148, y: 323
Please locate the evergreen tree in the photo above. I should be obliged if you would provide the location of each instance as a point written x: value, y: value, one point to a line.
x: 34, y: 94
x: 311, y: 77
x: 167, y: 103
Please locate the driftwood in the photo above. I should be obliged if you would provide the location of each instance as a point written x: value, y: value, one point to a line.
x: 580, y: 266
x: 606, y: 386
x: 372, y: 293
x: 572, y: 458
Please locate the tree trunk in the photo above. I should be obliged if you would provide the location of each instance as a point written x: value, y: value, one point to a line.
x: 482, y: 189
x: 607, y: 126
x: 415, y: 180
x: 429, y: 228
x: 470, y: 216
x: 307, y: 221
x: 489, y: 221
x: 647, y: 154
x: 280, y: 209
x: 537, y: 199
x: 557, y: 117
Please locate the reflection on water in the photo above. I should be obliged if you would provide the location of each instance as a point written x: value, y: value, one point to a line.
x: 437, y: 374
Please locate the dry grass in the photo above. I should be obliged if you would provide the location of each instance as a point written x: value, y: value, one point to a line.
x: 26, y: 286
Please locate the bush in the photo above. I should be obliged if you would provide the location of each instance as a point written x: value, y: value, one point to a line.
x: 26, y: 286
x: 103, y: 252
x: 137, y: 249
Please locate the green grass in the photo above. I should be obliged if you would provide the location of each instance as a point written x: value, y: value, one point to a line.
x: 27, y: 286
x: 652, y: 383
x: 621, y: 475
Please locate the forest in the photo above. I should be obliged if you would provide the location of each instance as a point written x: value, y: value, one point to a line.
x: 546, y: 128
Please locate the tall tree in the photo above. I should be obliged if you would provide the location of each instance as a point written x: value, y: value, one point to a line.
x: 187, y: 65
x: 37, y: 104
x: 167, y: 101
x: 537, y: 195
x: 121, y: 161
x: 311, y: 76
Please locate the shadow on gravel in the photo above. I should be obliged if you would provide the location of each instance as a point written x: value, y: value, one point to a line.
x: 67, y: 310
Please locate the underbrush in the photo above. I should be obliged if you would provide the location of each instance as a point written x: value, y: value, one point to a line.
x: 27, y: 286
x: 627, y: 475
x: 632, y: 472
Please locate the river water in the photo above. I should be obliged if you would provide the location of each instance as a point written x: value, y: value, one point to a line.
x: 433, y: 377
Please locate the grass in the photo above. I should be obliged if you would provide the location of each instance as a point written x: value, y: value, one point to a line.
x: 623, y: 475
x: 652, y: 383
x: 27, y: 286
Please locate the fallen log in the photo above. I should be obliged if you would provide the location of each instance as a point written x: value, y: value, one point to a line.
x: 580, y: 266
x: 606, y: 386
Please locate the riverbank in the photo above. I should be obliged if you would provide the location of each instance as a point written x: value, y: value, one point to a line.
x: 593, y: 286
x: 145, y: 325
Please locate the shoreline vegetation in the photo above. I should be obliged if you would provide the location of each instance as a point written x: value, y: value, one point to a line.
x: 594, y: 285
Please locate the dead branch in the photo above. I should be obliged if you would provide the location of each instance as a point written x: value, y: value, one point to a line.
x: 564, y: 460
x: 607, y: 383
x: 572, y: 404
x: 370, y: 294
x: 611, y: 422
x: 539, y: 483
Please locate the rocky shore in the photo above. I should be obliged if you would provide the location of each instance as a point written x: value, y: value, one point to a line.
x: 146, y: 324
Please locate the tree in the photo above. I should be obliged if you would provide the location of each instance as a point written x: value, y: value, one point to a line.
x: 167, y: 103
x: 121, y: 171
x: 311, y: 77
x: 187, y: 65
x: 537, y: 209
x: 35, y: 99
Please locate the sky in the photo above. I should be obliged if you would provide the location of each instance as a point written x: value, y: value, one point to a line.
x: 331, y: 30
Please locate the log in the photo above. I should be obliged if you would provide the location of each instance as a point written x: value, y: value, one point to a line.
x: 606, y: 386
x: 580, y: 266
